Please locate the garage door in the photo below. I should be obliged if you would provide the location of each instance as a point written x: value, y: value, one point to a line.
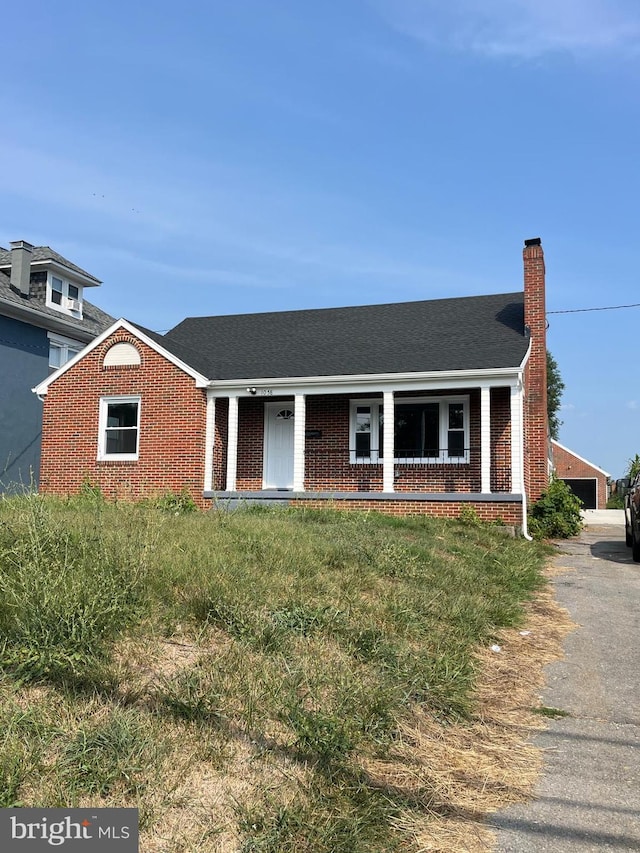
x: 586, y: 490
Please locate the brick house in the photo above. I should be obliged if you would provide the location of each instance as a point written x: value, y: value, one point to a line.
x: 586, y: 480
x: 294, y: 407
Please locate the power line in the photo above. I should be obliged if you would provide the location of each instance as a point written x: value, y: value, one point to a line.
x: 605, y: 308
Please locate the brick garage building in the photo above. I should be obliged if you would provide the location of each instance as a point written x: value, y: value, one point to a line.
x: 421, y: 407
x: 586, y: 480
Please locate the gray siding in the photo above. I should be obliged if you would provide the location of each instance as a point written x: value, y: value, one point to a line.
x: 24, y: 361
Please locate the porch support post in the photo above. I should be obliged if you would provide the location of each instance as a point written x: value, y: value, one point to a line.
x: 388, y: 449
x: 299, y: 425
x: 517, y: 440
x: 485, y: 440
x: 232, y: 445
x: 209, y: 438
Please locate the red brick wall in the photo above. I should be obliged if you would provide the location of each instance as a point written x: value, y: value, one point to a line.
x: 501, y: 440
x: 172, y: 427
x: 570, y: 467
x: 220, y: 445
x: 535, y: 377
x: 509, y: 513
x: 250, y: 443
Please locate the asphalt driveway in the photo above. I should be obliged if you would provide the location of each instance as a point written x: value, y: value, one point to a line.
x: 588, y: 797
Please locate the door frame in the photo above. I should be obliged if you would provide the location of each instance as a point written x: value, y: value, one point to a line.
x: 274, y: 406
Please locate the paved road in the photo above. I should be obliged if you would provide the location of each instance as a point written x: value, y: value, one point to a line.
x: 588, y: 797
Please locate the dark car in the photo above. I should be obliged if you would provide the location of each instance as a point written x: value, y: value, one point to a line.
x: 632, y: 515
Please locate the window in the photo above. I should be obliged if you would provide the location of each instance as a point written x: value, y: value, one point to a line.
x: 122, y: 355
x: 427, y: 429
x: 368, y: 438
x: 119, y: 428
x: 61, y: 349
x: 63, y: 295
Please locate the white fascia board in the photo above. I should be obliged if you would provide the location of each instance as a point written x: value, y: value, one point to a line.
x: 581, y: 458
x: 71, y: 275
x: 432, y: 380
x: 34, y: 317
x: 200, y: 380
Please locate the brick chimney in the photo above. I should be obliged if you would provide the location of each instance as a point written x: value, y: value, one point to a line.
x: 536, y: 426
x: 21, y: 266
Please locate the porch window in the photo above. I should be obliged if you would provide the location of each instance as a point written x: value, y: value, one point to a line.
x: 119, y: 428
x: 427, y: 429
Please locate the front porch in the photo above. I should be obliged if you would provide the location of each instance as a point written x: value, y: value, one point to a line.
x: 450, y: 448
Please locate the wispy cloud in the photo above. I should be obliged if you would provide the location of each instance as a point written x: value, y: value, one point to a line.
x: 633, y: 405
x: 242, y: 232
x: 520, y: 28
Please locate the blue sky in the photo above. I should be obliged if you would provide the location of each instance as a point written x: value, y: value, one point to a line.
x: 224, y: 157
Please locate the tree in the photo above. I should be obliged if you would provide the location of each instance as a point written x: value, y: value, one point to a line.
x: 555, y: 387
x: 633, y: 467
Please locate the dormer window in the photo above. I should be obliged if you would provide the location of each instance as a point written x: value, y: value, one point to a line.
x: 64, y: 296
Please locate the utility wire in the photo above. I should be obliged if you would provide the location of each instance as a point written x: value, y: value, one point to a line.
x: 605, y: 308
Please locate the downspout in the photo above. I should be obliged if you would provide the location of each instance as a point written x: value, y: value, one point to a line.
x: 525, y: 531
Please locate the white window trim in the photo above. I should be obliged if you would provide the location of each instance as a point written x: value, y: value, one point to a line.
x: 65, y: 345
x: 376, y: 456
x: 65, y: 295
x: 103, y: 456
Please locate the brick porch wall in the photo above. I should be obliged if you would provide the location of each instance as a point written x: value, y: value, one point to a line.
x: 172, y: 428
x: 509, y: 514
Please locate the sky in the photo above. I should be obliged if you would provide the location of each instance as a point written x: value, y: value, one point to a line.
x: 239, y: 156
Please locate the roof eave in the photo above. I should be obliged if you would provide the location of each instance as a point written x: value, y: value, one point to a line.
x: 83, y: 278
x: 368, y: 379
x: 33, y: 316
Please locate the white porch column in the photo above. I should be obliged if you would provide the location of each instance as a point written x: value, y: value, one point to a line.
x: 299, y: 425
x: 388, y: 449
x: 485, y: 440
x: 232, y: 445
x: 209, y: 438
x: 517, y: 440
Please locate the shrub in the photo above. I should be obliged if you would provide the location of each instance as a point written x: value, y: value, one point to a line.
x: 556, y: 515
x: 176, y: 504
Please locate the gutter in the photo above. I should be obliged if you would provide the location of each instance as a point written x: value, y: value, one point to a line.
x: 44, y: 321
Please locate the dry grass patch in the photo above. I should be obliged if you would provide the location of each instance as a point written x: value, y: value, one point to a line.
x: 464, y: 772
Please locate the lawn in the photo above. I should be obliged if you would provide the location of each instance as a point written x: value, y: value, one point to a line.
x: 249, y: 680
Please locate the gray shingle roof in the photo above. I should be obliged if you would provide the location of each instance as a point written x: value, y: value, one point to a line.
x: 93, y: 321
x: 45, y: 253
x: 477, y: 332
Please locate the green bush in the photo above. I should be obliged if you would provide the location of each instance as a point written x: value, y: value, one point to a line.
x: 616, y: 501
x: 176, y: 504
x: 556, y: 515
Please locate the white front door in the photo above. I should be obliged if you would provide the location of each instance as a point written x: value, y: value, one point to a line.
x: 278, y: 446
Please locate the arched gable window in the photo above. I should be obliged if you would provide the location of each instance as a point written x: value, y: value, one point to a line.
x: 122, y: 355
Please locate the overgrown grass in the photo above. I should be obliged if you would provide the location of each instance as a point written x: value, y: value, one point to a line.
x: 306, y: 637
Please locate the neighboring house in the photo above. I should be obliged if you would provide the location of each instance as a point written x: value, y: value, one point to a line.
x: 418, y: 407
x: 586, y: 480
x: 44, y: 321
